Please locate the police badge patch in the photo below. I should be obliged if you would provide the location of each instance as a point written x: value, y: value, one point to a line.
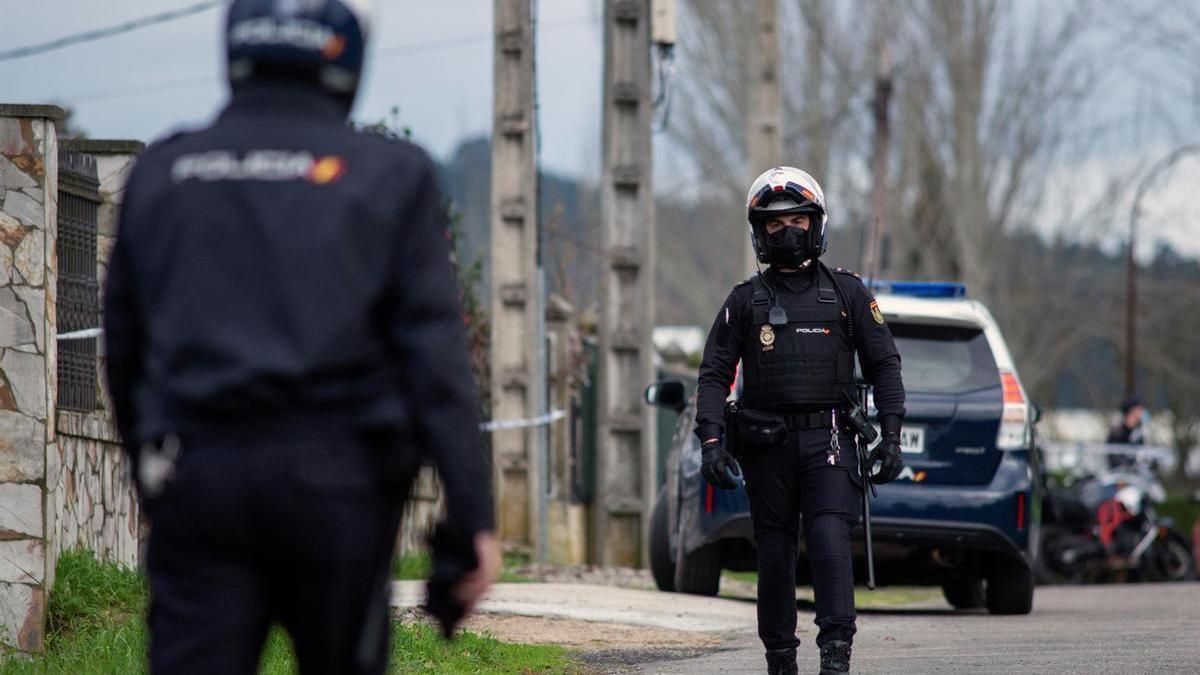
x: 766, y: 337
x: 876, y: 313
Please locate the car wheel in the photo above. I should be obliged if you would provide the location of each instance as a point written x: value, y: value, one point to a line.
x: 1009, y: 588
x: 964, y: 592
x: 661, y: 564
x: 699, y: 572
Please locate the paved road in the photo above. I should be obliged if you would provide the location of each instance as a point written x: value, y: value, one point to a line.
x: 1136, y: 628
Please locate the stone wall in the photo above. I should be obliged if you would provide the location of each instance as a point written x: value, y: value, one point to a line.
x: 28, y: 370
x: 63, y: 482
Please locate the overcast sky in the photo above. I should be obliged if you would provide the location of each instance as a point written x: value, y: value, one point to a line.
x: 431, y: 58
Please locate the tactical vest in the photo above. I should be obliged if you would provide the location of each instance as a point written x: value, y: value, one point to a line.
x: 808, y: 362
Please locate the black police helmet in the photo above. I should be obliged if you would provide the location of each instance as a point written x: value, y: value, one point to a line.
x: 323, y: 41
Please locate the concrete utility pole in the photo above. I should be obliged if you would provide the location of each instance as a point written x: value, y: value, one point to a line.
x: 627, y: 440
x: 763, y: 147
x: 880, y: 107
x: 516, y: 303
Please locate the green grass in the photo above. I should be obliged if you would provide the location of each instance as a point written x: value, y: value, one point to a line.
x: 418, y: 648
x: 890, y: 597
x: 416, y: 566
x: 887, y: 597
x: 508, y: 571
x: 412, y: 566
x: 747, y: 577
x: 95, y: 625
x: 1179, y: 506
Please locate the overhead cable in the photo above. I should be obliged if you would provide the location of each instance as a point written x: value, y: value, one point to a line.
x: 100, y: 33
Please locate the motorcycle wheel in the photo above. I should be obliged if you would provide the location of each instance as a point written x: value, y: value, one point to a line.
x: 1047, y: 569
x: 1168, y: 559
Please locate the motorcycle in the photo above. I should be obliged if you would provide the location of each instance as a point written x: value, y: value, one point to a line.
x: 1104, y: 526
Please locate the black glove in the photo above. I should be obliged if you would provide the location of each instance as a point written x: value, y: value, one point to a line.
x: 719, y: 467
x: 888, y: 453
x: 453, y: 556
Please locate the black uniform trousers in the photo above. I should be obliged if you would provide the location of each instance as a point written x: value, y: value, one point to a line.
x: 295, y: 528
x: 784, y: 482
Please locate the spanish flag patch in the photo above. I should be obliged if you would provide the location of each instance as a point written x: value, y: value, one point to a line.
x: 876, y: 313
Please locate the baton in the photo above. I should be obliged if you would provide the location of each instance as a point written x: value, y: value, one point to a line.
x: 865, y: 471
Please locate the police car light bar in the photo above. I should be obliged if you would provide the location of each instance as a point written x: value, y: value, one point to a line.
x: 920, y: 289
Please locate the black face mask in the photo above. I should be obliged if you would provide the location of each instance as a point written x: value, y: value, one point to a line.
x: 788, y: 247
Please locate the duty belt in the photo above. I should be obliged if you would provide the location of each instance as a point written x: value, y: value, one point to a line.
x: 822, y: 419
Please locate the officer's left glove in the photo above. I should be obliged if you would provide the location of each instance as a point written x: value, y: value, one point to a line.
x: 719, y: 467
x: 887, y: 453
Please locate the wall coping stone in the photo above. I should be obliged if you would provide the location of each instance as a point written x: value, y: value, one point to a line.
x: 100, y: 146
x: 32, y: 110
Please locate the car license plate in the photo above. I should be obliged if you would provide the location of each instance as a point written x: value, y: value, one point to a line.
x: 912, y: 440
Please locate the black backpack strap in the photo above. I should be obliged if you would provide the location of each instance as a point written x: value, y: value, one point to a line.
x: 761, y: 297
x: 841, y: 295
x: 826, y: 295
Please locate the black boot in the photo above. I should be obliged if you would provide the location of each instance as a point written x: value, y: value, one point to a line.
x: 835, y: 657
x: 781, y: 662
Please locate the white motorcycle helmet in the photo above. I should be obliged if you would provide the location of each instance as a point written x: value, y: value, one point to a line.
x: 781, y: 191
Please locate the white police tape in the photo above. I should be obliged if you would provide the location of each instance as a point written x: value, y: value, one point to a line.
x: 495, y: 425
x: 540, y: 420
x: 81, y: 334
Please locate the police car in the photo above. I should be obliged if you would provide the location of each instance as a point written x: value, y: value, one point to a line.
x: 962, y: 515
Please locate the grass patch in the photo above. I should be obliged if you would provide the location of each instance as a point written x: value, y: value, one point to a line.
x: 886, y: 597
x: 417, y: 566
x: 412, y: 566
x: 895, y: 596
x: 1182, y: 509
x: 417, y: 648
x: 95, y: 625
x: 747, y: 577
x: 509, y: 569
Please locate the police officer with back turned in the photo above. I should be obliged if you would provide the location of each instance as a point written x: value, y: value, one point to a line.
x: 796, y: 328
x: 284, y: 345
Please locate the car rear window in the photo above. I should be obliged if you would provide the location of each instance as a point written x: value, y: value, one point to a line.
x: 944, y: 359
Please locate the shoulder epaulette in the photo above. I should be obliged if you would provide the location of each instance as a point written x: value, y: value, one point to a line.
x: 747, y: 280
x: 843, y: 270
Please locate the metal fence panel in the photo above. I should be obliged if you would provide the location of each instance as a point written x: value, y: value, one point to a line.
x: 78, y: 299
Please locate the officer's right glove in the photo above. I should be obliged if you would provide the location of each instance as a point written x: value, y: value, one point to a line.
x: 453, y: 557
x: 887, y: 453
x: 719, y: 467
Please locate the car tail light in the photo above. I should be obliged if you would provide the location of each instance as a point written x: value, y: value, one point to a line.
x: 1014, y: 418
x: 1020, y: 511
